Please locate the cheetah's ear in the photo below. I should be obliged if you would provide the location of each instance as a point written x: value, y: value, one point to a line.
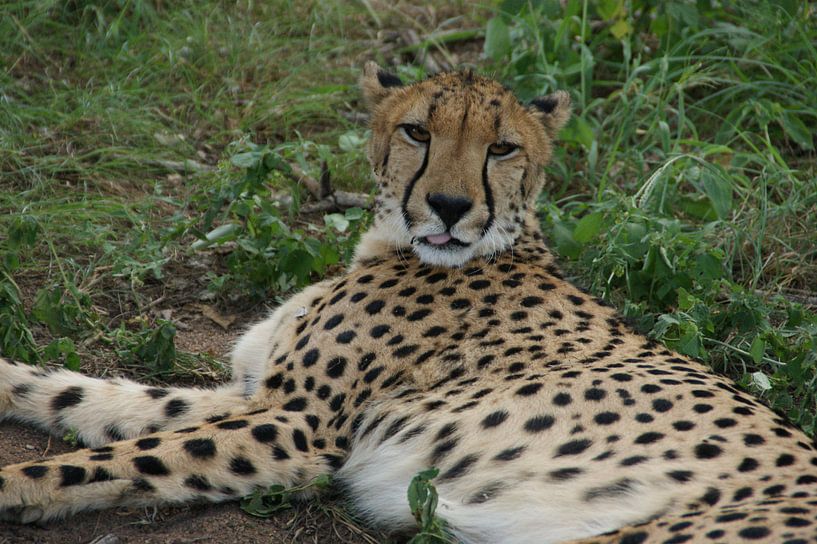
x: 552, y: 110
x: 377, y: 83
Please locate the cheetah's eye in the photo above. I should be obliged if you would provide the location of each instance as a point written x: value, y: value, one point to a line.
x: 502, y: 149
x: 416, y: 133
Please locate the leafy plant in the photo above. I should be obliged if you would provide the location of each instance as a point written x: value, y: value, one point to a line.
x: 267, y: 253
x: 422, y: 499
x: 153, y: 346
x: 263, y: 503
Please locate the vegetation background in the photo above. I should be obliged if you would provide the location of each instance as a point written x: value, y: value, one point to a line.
x: 170, y: 170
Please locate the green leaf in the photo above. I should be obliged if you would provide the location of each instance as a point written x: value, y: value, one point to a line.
x: 351, y: 141
x: 497, y: 39
x: 218, y: 235
x: 719, y: 191
x: 578, y: 131
x: 796, y: 130
x: 246, y: 160
x: 758, y: 349
x: 336, y: 221
x: 588, y: 227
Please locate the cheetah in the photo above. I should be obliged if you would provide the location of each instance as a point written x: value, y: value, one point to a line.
x: 454, y: 342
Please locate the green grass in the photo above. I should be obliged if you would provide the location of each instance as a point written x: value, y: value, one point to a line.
x: 684, y: 190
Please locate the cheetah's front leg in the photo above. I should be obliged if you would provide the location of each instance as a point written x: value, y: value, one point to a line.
x: 101, y: 411
x: 214, y: 462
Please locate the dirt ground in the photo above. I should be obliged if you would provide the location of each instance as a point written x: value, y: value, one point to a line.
x: 316, y: 522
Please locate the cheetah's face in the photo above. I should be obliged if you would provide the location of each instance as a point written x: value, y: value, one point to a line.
x: 459, y: 161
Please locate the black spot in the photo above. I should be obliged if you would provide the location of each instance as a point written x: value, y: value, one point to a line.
x: 725, y: 422
x: 529, y: 389
x: 275, y: 381
x: 157, y: 392
x: 707, y: 451
x: 35, y: 471
x: 747, y: 465
x: 100, y: 475
x: 633, y: 460
x: 785, y: 460
x: 753, y: 440
x: 683, y: 425
x: 495, y: 418
x: 754, y: 533
x: 333, y: 322
x: 595, y: 394
x: 197, y: 482
x: 680, y: 475
x: 233, y: 424
x: 661, y: 405
x: 299, y: 439
x: 101, y: 457
x: 702, y: 408
x: 279, y: 453
x: 176, y: 407
x: 459, y: 468
x: 71, y: 475
x: 539, y: 423
x: 200, y: 448
x: 634, y: 538
x: 310, y: 358
x: 649, y: 438
x: 509, y: 454
x: 266, y: 432
x: 562, y: 399
x: 140, y: 484
x: 295, y: 405
x: 606, y: 418
x: 615, y: 489
x: 374, y: 307
x: 711, y: 497
x: 336, y: 367
x: 70, y: 397
x: 345, y: 337
x: 241, y: 466
x: 563, y: 474
x: 574, y: 447
x: 479, y: 284
x: 147, y: 443
x: 529, y: 302
x: 147, y: 464
x: 743, y: 493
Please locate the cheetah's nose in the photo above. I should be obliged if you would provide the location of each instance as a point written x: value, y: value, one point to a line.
x: 449, y: 208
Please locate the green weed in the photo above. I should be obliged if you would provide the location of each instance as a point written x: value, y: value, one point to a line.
x: 422, y: 499
x: 263, y: 503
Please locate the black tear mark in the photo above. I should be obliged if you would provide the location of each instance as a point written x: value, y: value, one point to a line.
x: 489, y: 196
x: 410, y: 186
x: 387, y: 79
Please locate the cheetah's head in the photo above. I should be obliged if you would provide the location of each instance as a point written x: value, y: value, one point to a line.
x: 459, y: 161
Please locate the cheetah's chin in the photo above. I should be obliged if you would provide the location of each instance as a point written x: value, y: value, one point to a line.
x: 450, y: 255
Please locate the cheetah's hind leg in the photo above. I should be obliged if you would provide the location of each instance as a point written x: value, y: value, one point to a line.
x: 101, y: 411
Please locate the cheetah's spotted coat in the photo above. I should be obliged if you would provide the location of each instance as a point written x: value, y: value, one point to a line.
x: 453, y: 342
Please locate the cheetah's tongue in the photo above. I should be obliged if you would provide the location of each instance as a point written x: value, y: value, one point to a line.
x: 438, y: 239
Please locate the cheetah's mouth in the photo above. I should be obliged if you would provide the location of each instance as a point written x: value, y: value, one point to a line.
x: 444, y: 240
